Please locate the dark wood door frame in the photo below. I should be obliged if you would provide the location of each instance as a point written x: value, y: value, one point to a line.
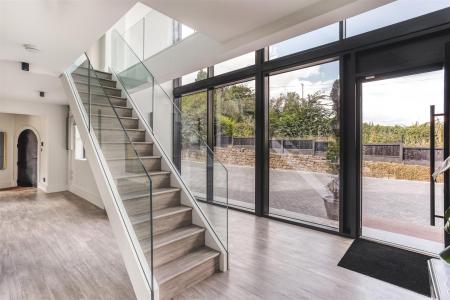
x: 27, y: 159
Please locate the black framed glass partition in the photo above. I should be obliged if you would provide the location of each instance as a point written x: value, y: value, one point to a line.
x: 306, y: 164
x: 234, y: 140
x: 304, y: 144
x: 192, y: 138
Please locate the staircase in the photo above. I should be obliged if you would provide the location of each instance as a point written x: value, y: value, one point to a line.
x: 162, y: 223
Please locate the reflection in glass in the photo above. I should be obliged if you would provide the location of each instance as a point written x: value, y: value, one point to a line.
x: 193, y: 147
x: 305, y: 41
x: 392, y: 13
x: 234, y: 110
x: 304, y: 144
x: 194, y: 76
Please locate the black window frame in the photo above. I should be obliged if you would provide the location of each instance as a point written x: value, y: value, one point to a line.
x: 351, y: 52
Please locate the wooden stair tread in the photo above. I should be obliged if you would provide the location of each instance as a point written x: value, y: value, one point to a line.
x: 96, y: 85
x: 169, y: 237
x: 111, y: 116
x: 98, y: 71
x: 134, y: 175
x: 87, y: 76
x: 161, y: 213
x: 183, y: 264
x: 125, y: 142
x: 107, y: 105
x: 155, y: 192
x: 134, y: 158
x: 103, y: 95
x: 120, y: 129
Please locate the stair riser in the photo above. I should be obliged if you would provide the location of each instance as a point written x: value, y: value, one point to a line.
x: 95, y: 99
x: 83, y: 71
x: 166, y: 200
x: 126, y: 150
x: 141, y: 184
x: 109, y: 111
x: 177, y: 249
x: 134, y: 165
x: 161, y: 225
x: 84, y: 88
x: 102, y: 122
x: 119, y: 136
x: 142, y: 205
x: 172, y: 222
x: 179, y: 283
x: 94, y: 80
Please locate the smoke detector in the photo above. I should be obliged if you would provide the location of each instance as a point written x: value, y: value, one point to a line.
x: 30, y: 48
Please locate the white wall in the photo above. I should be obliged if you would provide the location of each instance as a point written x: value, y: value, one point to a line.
x: 58, y: 170
x: 7, y: 125
x: 81, y: 179
x: 49, y: 120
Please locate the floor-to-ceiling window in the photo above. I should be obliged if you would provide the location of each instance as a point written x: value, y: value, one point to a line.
x: 282, y: 145
x: 304, y: 144
x: 234, y: 145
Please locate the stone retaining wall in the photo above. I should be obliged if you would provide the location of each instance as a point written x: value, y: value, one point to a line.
x: 246, y: 157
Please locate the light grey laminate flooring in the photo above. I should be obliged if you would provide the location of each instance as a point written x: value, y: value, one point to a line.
x: 59, y: 246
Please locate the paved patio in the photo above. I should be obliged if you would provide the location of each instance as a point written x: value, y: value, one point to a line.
x: 300, y: 193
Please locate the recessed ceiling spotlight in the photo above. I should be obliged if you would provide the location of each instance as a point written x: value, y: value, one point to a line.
x: 30, y: 48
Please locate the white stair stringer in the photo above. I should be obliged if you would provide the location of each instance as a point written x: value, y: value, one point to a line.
x: 138, y: 270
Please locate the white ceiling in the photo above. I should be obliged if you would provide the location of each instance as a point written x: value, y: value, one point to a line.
x: 228, y: 20
x: 18, y: 85
x: 61, y: 30
x: 229, y: 28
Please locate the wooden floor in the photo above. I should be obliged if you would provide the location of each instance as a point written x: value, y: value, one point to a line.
x: 275, y: 260
x: 58, y: 246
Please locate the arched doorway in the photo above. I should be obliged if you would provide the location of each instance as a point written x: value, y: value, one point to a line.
x: 27, y: 156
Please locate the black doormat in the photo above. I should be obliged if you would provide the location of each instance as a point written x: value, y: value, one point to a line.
x: 397, y: 266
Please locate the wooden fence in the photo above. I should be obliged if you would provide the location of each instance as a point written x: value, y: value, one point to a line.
x: 394, y: 152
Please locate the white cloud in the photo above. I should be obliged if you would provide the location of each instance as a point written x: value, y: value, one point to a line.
x: 404, y: 100
x: 292, y: 82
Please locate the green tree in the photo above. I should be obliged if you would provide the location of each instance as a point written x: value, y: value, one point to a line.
x: 201, y: 75
x: 235, y: 104
x: 292, y: 116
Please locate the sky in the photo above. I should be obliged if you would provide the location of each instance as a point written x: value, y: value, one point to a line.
x: 385, y: 15
x: 403, y: 100
x: 399, y: 101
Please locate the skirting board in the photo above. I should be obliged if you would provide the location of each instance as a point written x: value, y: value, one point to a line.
x: 48, y: 188
x: 7, y: 184
x: 91, y: 197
